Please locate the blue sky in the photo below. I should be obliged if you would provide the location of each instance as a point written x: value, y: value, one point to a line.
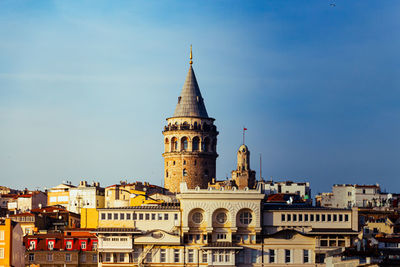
x: 85, y: 87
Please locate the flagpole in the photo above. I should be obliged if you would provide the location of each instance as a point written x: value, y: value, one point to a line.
x: 243, y: 135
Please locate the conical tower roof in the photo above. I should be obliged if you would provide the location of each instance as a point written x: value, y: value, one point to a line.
x: 190, y: 102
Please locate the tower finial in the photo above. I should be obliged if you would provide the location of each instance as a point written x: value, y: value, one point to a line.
x: 191, y: 56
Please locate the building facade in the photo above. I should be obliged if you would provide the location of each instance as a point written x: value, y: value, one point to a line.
x: 190, y: 140
x: 86, y: 196
x: 71, y: 248
x: 353, y: 195
x: 59, y: 195
x: 11, y: 243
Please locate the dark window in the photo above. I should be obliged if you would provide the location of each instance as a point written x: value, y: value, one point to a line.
x: 109, y: 216
x: 317, y: 217
x: 166, y: 216
x: 287, y: 255
x: 134, y: 216
x: 294, y: 217
x: 140, y: 216
x: 300, y: 217
x: 329, y: 217
x: 147, y: 216
x: 122, y: 216
x: 306, y: 217
x: 312, y: 217
x: 306, y: 258
x: 271, y: 256
x: 323, y: 217
x: 103, y: 216
x: 283, y: 217
x: 128, y: 216
x: 115, y: 216
x: 334, y: 217
x: 340, y: 217
x: 346, y: 217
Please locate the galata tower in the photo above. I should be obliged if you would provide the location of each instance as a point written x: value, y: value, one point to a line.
x: 190, y: 140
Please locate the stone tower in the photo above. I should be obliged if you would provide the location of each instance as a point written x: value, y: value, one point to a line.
x: 190, y: 140
x: 243, y: 175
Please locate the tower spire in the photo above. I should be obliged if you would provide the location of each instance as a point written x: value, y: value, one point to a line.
x: 191, y: 56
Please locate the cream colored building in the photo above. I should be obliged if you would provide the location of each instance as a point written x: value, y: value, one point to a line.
x: 219, y: 223
x: 141, y: 235
x: 331, y: 228
x: 86, y: 196
x: 302, y: 189
x: 353, y: 195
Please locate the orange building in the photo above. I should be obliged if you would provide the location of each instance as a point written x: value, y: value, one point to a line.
x: 11, y: 245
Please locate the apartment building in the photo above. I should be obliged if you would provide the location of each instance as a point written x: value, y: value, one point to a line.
x: 86, y: 196
x: 71, y: 248
x: 349, y: 195
x: 330, y: 228
x: 124, y: 194
x: 141, y: 234
x: 59, y: 195
x: 27, y: 201
x: 11, y: 244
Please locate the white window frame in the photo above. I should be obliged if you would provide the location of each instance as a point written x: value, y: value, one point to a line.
x: 50, y: 244
x: 68, y: 244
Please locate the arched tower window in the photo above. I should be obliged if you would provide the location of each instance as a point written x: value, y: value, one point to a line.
x: 214, y: 145
x: 206, y: 145
x: 185, y: 126
x: 184, y: 143
x: 184, y: 172
x: 166, y: 143
x: 195, y: 143
x: 174, y: 144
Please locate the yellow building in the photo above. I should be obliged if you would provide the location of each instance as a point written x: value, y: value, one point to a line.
x: 89, y: 218
x: 59, y: 195
x: 11, y: 245
x: 139, y: 198
x: 121, y: 195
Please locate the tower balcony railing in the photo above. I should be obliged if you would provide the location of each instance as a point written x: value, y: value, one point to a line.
x: 207, y: 129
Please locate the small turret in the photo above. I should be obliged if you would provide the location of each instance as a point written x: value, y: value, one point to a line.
x: 243, y: 175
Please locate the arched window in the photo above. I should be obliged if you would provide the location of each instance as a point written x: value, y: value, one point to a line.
x: 184, y: 143
x: 166, y: 148
x: 185, y: 126
x: 184, y: 172
x: 166, y: 174
x: 245, y: 217
x: 195, y: 144
x: 206, y: 145
x: 174, y: 144
x: 214, y: 145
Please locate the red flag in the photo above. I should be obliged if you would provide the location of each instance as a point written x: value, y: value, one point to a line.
x: 244, y: 129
